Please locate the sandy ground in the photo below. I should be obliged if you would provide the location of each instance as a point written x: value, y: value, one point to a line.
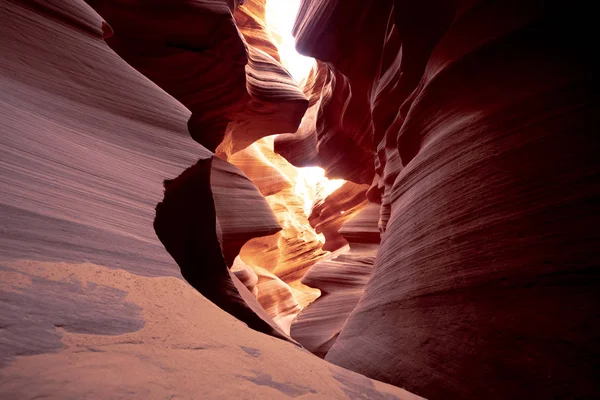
x: 172, y: 344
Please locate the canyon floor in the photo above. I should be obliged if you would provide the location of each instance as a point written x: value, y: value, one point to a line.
x: 84, y: 331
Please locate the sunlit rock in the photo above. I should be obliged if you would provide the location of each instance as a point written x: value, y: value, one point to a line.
x: 341, y: 281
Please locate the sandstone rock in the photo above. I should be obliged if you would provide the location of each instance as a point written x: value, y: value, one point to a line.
x: 472, y: 121
x: 300, y: 147
x: 257, y: 164
x: 186, y: 225
x: 344, y: 128
x: 241, y: 210
x: 187, y: 348
x: 487, y: 267
x: 184, y: 55
x: 341, y: 281
x: 335, y: 131
x: 236, y: 91
x: 91, y: 304
x: 275, y: 102
x: 246, y: 275
x: 329, y: 213
x: 280, y: 260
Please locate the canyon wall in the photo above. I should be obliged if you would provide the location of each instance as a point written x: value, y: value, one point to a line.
x: 482, y: 135
x: 237, y: 93
x: 229, y: 78
x: 310, y: 213
x: 341, y: 281
x: 474, y: 123
x: 91, y: 304
x: 106, y: 117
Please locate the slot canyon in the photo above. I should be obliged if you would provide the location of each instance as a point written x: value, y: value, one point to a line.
x: 316, y: 199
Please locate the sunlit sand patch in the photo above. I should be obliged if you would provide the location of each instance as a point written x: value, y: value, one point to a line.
x: 187, y: 348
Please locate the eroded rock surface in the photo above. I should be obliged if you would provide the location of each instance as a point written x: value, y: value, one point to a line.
x: 473, y: 121
x: 93, y: 305
x: 282, y: 259
x: 186, y: 348
x: 482, y: 117
x: 341, y: 281
x: 234, y: 86
x: 186, y: 223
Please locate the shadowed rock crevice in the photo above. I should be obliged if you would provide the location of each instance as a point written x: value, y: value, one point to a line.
x: 341, y: 281
x: 186, y: 223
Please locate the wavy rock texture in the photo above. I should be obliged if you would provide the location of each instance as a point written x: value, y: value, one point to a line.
x: 234, y: 85
x: 186, y: 223
x: 335, y: 130
x: 282, y: 259
x: 483, y: 113
x: 137, y: 118
x: 341, y: 281
x: 276, y: 104
x: 299, y: 148
x: 329, y: 212
x: 86, y: 142
x: 100, y: 309
x: 208, y: 81
x: 310, y: 217
x: 245, y: 275
x: 242, y: 212
x: 343, y: 126
x: 183, y: 54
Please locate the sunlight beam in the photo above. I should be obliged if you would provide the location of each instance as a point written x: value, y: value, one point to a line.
x: 280, y: 17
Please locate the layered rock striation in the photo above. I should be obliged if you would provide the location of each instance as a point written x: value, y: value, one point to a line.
x: 485, y: 163
x: 341, y: 281
x: 473, y: 122
x: 85, y: 286
x: 308, y: 213
x: 229, y: 78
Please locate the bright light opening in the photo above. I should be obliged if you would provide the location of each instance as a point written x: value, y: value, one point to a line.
x: 312, y: 182
x: 280, y: 17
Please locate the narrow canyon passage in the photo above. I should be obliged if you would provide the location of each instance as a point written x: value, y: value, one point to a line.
x: 314, y: 199
x: 309, y: 208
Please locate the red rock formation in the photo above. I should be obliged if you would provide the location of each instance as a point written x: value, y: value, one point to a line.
x: 300, y: 147
x: 246, y: 275
x: 344, y: 128
x: 338, y: 128
x: 183, y: 55
x: 186, y: 224
x: 329, y: 212
x: 488, y: 177
x: 86, y: 142
x: 282, y: 259
x: 275, y: 103
x: 242, y: 212
x: 235, y: 90
x: 258, y: 165
x: 238, y: 92
x: 85, y: 286
x: 473, y: 121
x: 341, y: 281
x: 139, y: 137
